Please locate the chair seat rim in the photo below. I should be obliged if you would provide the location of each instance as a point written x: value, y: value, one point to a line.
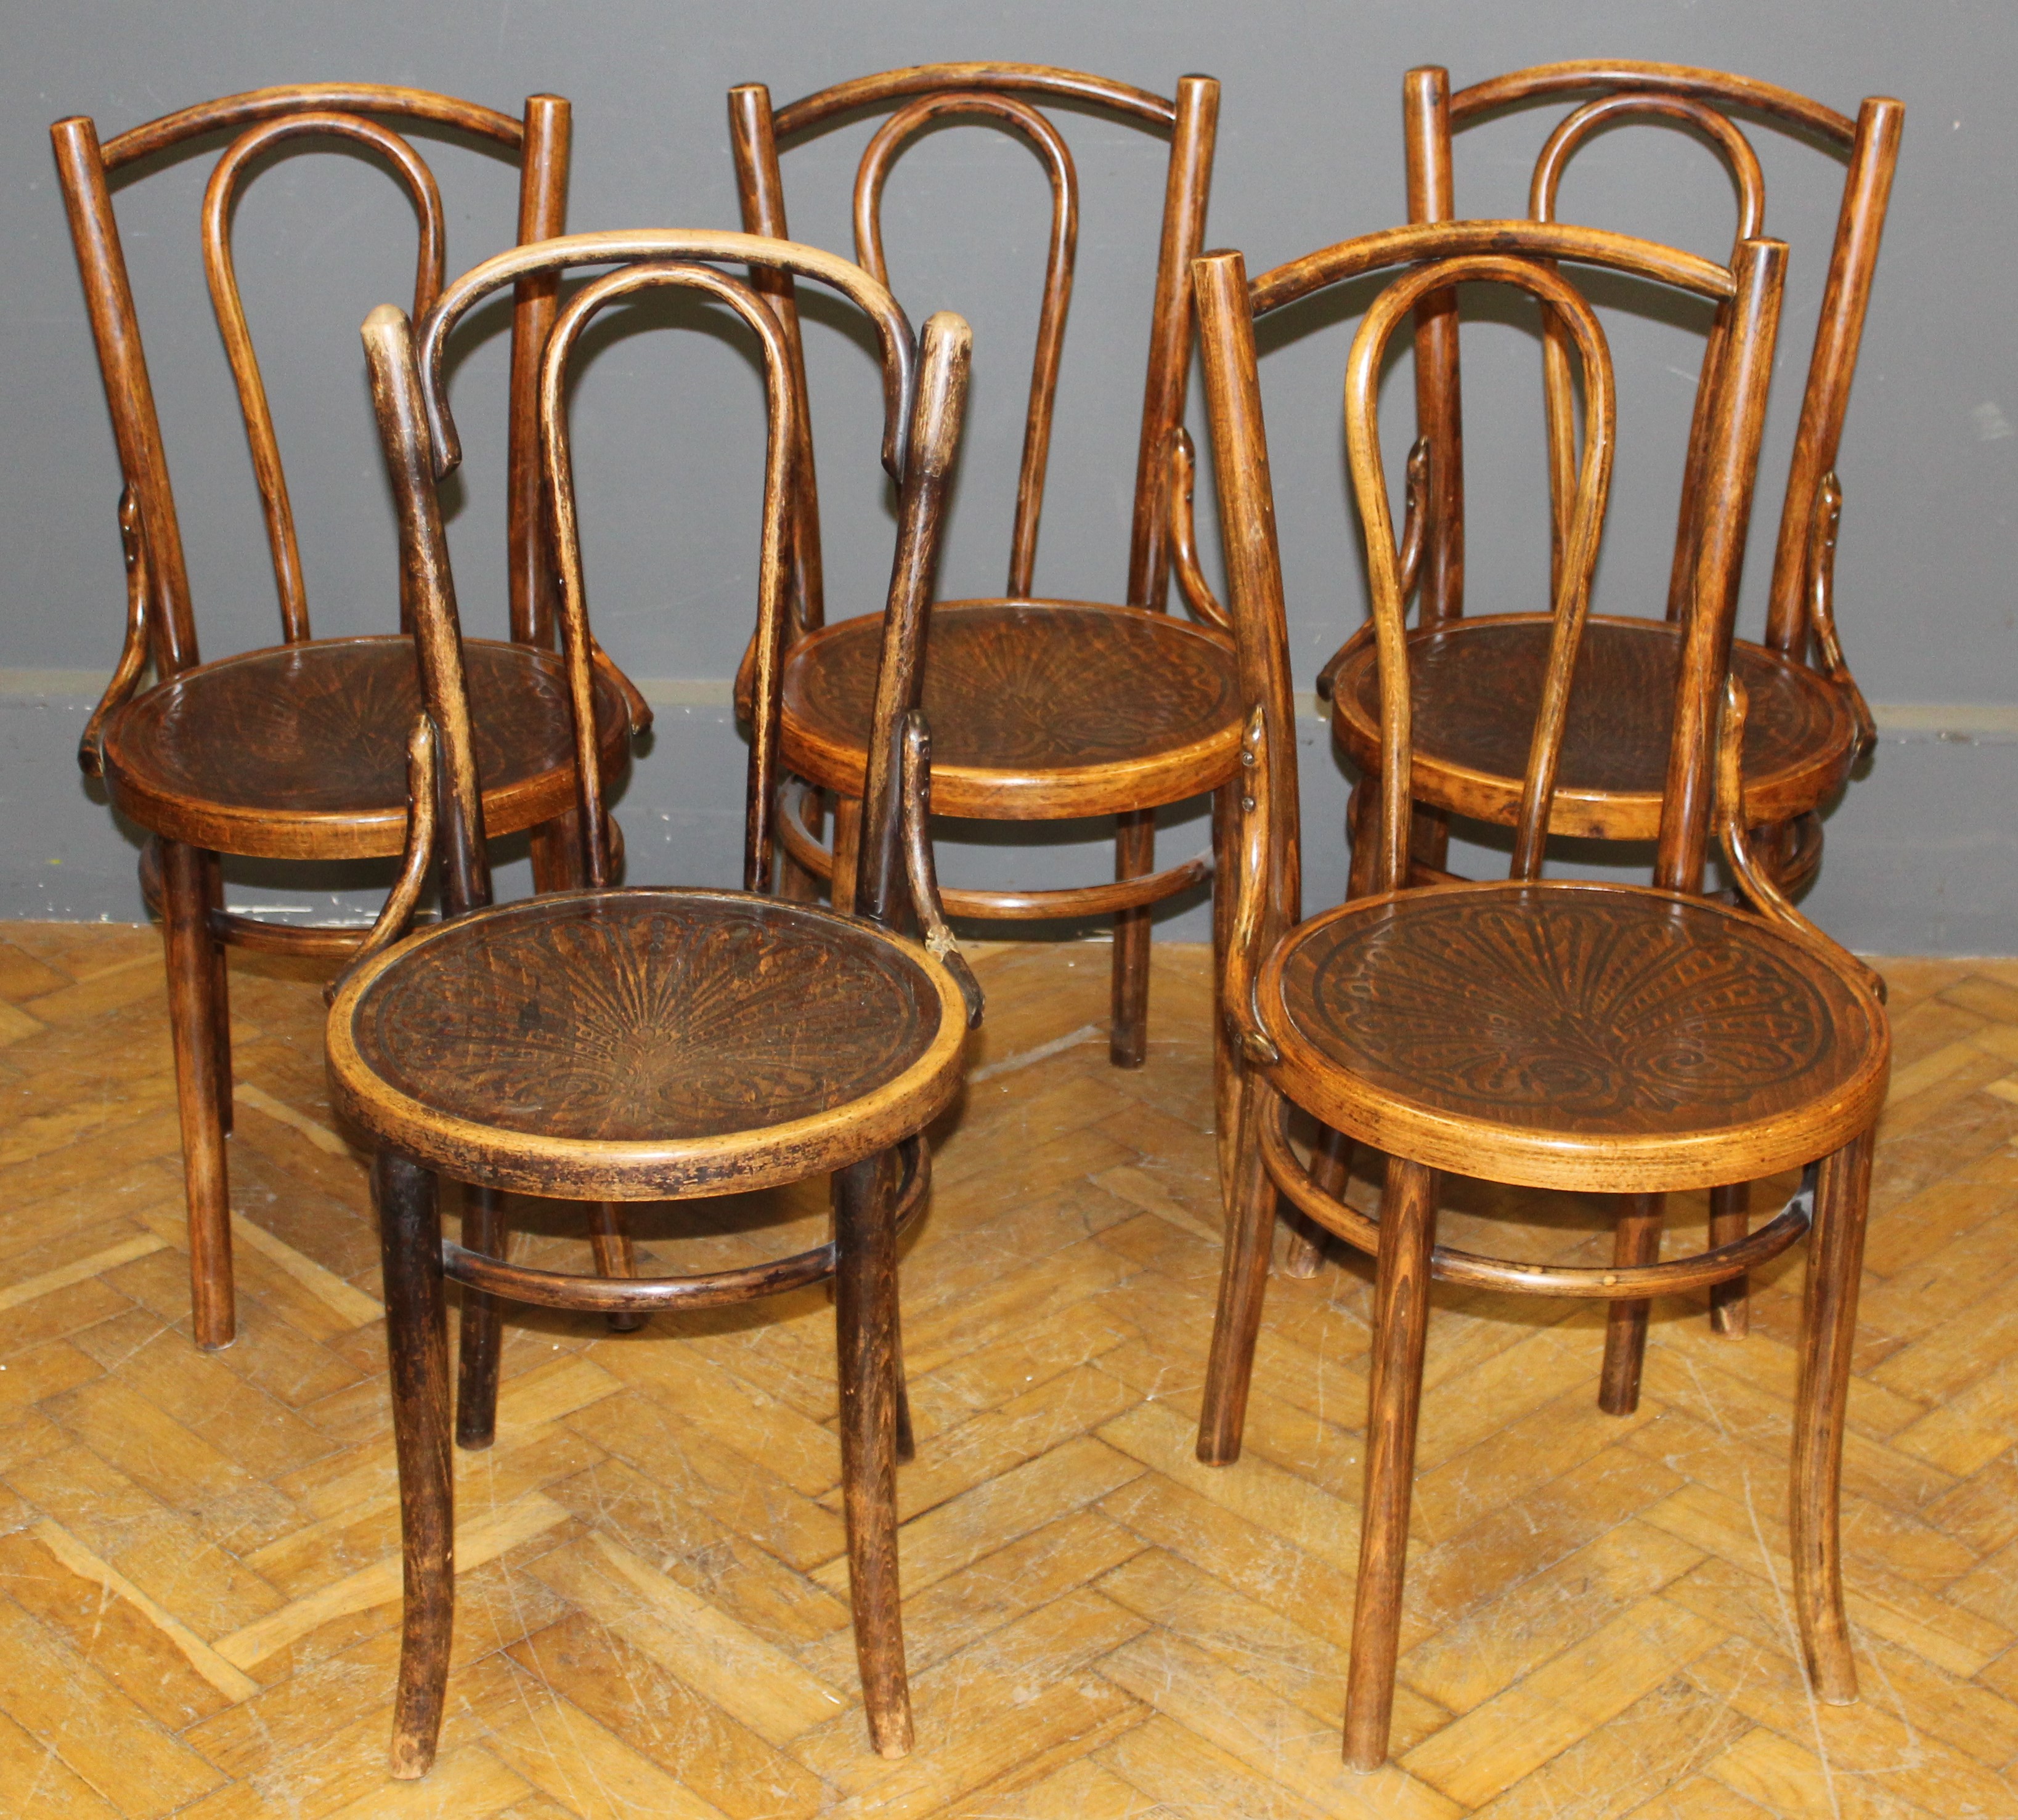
x: 1032, y: 793
x: 276, y: 831
x: 1595, y: 811
x: 594, y: 1169
x: 1528, y: 1156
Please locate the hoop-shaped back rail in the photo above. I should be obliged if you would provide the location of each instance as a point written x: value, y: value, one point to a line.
x: 226, y: 179
x: 1572, y: 594
x: 898, y: 345
x: 254, y: 105
x: 773, y: 583
x: 1045, y: 140
x: 1550, y: 81
x: 812, y: 111
x: 1570, y: 134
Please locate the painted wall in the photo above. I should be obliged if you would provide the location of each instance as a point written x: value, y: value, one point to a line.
x: 1922, y: 852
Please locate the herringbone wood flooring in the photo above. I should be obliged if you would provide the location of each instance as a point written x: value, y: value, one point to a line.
x: 199, y: 1554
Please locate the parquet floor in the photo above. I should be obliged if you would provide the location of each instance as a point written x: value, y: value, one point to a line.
x: 198, y: 1554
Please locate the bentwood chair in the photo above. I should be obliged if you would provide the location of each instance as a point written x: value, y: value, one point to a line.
x: 1562, y: 1035
x: 1478, y: 678
x: 610, y: 1044
x: 1044, y: 709
x: 297, y: 751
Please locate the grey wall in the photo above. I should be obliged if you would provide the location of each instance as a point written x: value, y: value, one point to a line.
x: 1921, y: 853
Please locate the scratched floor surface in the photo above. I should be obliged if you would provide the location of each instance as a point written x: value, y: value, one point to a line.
x: 198, y: 1554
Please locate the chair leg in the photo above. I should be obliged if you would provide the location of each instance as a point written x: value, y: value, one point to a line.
x: 1225, y: 1060
x: 1134, y: 857
x: 193, y: 1020
x: 1636, y: 1240
x: 865, y: 1301
x: 557, y: 854
x: 417, y: 1346
x: 480, y: 1336
x: 1243, y: 1281
x: 1401, y: 1326
x: 1331, y: 1169
x: 221, y: 996
x: 847, y: 851
x: 1828, y: 1332
x: 615, y: 1255
x: 1362, y: 834
x: 1729, y: 1219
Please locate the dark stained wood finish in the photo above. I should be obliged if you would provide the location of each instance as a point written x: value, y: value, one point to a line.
x: 298, y: 752
x: 1630, y: 1041
x: 605, y: 1044
x: 1032, y: 760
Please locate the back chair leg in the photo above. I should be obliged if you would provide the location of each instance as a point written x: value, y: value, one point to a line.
x: 1243, y: 1282
x: 417, y: 1345
x: 1729, y: 1219
x: 1828, y: 1333
x: 1331, y: 1169
x: 847, y: 851
x: 865, y: 1204
x: 557, y: 854
x: 1225, y: 1063
x: 220, y: 995
x: 195, y: 1020
x: 480, y: 1335
x: 1636, y: 1240
x: 1401, y: 1326
x: 1134, y: 857
x: 615, y: 1255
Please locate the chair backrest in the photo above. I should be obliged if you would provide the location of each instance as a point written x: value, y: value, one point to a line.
x: 342, y: 113
x: 1611, y: 92
x: 924, y: 382
x: 1003, y: 93
x: 1442, y: 256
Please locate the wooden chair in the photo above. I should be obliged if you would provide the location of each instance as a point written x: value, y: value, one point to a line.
x: 1808, y: 721
x: 1626, y: 1040
x: 620, y: 1045
x: 296, y: 751
x: 1045, y: 709
x: 1478, y: 679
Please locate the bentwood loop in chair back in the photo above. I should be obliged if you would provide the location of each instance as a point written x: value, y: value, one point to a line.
x: 1045, y: 709
x: 649, y: 1043
x: 1553, y: 1035
x: 296, y: 751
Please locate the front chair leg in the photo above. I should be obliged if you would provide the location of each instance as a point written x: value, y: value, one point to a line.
x: 1401, y: 1327
x: 220, y: 975
x: 417, y: 1346
x: 1828, y: 1333
x: 481, y: 1333
x: 195, y: 1014
x: 1243, y: 1281
x: 1636, y: 1240
x: 1225, y: 1060
x: 1134, y: 857
x: 866, y: 1332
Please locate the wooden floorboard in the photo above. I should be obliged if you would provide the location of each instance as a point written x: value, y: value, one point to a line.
x: 199, y: 1574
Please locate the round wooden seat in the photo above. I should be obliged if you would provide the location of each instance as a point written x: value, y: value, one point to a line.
x: 626, y: 1045
x: 1573, y: 1035
x: 299, y: 751
x: 1475, y: 685
x: 1039, y: 709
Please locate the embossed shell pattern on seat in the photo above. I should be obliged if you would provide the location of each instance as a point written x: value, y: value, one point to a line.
x: 1589, y: 1011
x: 644, y: 1017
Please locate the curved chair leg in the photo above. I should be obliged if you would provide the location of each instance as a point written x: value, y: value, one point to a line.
x: 221, y: 996
x: 1134, y: 857
x: 194, y: 1018
x: 847, y: 851
x: 1828, y: 1332
x: 866, y: 1331
x: 1401, y: 1326
x: 1636, y: 1240
x: 615, y: 1255
x: 1729, y: 1219
x: 417, y: 1346
x: 480, y: 1335
x: 1331, y: 1169
x: 1243, y: 1281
